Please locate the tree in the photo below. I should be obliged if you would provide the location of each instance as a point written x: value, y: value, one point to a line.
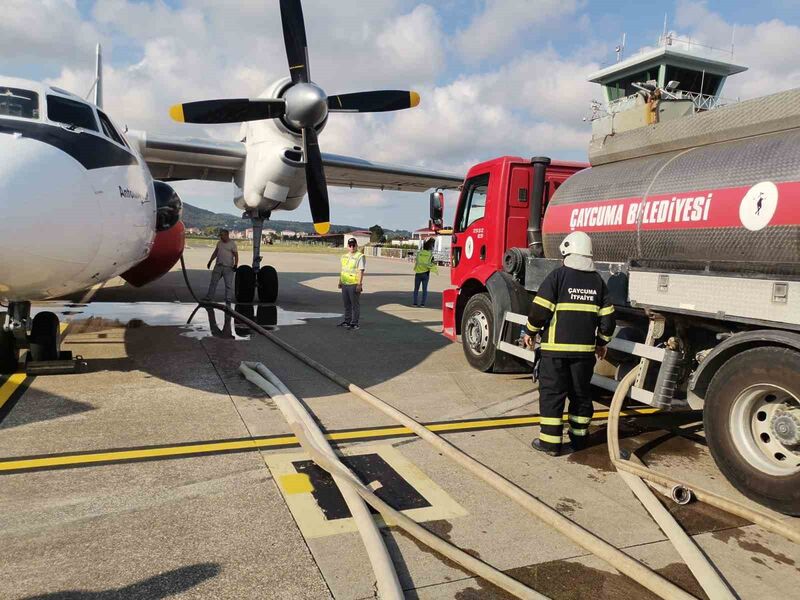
x: 377, y: 235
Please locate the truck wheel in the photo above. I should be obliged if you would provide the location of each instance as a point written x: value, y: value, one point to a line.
x: 477, y: 332
x: 9, y: 353
x: 752, y: 423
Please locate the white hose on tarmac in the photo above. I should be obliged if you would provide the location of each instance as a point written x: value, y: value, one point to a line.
x: 626, y: 565
x: 382, y: 566
x: 756, y: 516
x: 706, y: 574
x: 314, y: 442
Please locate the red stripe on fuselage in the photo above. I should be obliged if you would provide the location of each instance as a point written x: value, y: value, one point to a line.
x: 703, y: 209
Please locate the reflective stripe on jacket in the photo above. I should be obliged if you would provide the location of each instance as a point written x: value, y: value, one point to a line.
x: 349, y: 274
x: 573, y: 313
x: 424, y: 262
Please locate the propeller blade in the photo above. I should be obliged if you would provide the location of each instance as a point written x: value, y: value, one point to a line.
x: 233, y: 110
x: 294, y: 37
x: 380, y: 101
x: 315, y: 181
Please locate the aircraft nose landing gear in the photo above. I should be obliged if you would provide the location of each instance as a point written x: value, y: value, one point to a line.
x: 43, y: 342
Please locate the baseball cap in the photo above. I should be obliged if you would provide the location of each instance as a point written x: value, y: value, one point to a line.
x: 352, y: 242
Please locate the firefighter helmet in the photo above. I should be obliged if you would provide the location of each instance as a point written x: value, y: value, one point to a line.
x: 576, y: 242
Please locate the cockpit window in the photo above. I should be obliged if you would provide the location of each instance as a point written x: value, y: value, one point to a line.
x: 15, y: 102
x: 109, y: 129
x: 70, y: 112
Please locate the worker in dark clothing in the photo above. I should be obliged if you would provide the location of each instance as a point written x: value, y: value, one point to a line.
x: 574, y: 317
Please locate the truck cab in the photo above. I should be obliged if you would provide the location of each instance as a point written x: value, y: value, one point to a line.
x: 490, y: 237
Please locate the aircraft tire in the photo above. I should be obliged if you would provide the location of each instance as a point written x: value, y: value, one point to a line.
x: 246, y: 310
x: 9, y: 353
x: 267, y: 284
x: 245, y: 284
x: 44, y: 338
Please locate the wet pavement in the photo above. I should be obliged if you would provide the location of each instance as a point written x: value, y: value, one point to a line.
x: 195, y: 323
x: 162, y: 473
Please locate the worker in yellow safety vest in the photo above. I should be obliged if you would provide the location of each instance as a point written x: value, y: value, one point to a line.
x: 351, y: 282
x: 423, y: 265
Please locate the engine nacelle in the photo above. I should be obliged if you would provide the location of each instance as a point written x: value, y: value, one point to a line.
x: 273, y: 178
x: 168, y: 244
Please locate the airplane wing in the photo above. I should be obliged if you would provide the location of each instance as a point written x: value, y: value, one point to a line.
x: 173, y: 159
x: 353, y: 172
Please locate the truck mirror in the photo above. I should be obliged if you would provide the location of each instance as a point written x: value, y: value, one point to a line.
x: 437, y: 209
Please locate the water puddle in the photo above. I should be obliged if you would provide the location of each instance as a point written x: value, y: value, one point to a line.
x: 205, y: 323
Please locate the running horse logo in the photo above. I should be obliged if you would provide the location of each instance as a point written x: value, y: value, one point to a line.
x: 760, y: 202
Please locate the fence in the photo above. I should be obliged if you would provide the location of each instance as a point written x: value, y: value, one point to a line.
x: 441, y: 257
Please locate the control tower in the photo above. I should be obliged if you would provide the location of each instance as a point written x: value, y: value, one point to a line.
x: 669, y: 97
x: 683, y: 69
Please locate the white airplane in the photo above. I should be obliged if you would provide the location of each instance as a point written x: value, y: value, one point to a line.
x: 83, y: 201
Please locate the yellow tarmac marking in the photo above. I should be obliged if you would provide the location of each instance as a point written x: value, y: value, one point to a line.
x: 15, y: 380
x: 309, y: 516
x: 10, y: 386
x: 296, y: 483
x: 281, y: 441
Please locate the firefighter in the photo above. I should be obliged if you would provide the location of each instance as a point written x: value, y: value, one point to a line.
x: 574, y: 317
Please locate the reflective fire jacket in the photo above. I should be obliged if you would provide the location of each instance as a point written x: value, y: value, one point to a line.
x: 573, y: 313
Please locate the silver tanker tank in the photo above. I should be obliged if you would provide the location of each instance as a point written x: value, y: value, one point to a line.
x: 719, y: 187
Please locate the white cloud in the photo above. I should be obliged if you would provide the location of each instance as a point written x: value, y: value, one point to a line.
x: 501, y: 23
x: 48, y: 30
x: 411, y: 45
x: 767, y: 48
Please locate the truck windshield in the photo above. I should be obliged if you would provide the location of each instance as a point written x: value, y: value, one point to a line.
x: 473, y: 203
x: 15, y: 102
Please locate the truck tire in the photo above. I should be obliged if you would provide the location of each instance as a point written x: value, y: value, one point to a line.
x: 477, y: 332
x: 752, y: 424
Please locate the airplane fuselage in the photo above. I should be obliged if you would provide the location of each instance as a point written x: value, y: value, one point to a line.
x: 77, y: 202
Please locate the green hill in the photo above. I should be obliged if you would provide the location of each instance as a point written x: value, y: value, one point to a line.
x: 201, y: 218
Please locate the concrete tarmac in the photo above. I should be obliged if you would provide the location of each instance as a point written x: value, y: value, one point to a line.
x: 184, y: 480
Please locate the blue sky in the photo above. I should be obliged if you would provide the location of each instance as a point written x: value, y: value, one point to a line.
x: 496, y: 76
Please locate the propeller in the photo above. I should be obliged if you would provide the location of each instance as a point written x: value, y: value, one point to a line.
x: 234, y: 110
x: 304, y: 107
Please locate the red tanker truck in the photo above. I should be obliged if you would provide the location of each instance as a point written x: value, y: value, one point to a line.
x: 696, y: 229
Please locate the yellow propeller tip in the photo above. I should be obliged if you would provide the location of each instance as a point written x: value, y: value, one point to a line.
x: 322, y: 228
x: 176, y: 112
x: 414, y: 99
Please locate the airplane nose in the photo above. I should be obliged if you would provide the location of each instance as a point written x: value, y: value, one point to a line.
x: 50, y: 220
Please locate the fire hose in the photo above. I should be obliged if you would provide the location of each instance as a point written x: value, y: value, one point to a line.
x: 701, y: 567
x: 386, y: 577
x: 754, y: 515
x: 580, y: 536
x: 313, y: 441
